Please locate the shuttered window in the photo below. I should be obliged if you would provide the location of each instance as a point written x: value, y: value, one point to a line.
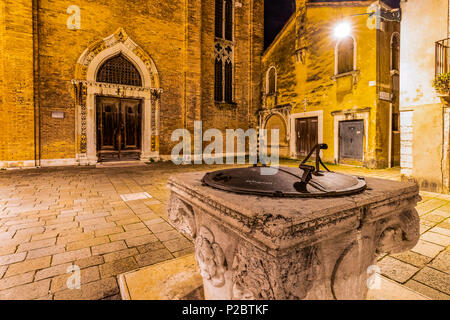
x: 346, y: 52
x: 395, y: 52
x: 271, y: 79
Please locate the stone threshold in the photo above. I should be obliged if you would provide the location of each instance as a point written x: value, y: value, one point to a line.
x: 115, y: 164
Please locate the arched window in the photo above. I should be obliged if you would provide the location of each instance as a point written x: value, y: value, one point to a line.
x: 119, y: 70
x: 395, y: 52
x: 224, y: 51
x: 345, y: 55
x: 271, y: 79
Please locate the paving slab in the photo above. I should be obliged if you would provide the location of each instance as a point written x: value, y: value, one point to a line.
x: 435, y: 279
x: 391, y: 290
x: 428, y: 249
x: 170, y: 280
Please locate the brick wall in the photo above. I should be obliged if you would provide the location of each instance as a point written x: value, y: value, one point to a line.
x: 16, y: 86
x: 179, y: 37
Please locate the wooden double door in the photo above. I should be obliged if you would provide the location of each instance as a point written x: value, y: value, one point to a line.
x: 307, y: 135
x: 118, y: 128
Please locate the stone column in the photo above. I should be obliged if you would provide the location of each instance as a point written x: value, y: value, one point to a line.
x: 147, y: 130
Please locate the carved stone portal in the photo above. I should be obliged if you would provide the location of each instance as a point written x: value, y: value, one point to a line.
x: 250, y: 247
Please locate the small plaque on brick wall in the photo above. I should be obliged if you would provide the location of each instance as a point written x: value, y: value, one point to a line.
x: 385, y: 96
x: 58, y: 114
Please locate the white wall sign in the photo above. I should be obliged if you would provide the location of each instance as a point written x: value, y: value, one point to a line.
x: 385, y: 96
x: 58, y: 114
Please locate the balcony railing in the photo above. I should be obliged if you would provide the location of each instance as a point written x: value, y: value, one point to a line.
x: 442, y: 56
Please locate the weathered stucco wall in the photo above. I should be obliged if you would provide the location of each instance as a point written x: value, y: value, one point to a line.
x: 423, y: 23
x: 280, y: 55
x: 427, y: 146
x: 422, y: 148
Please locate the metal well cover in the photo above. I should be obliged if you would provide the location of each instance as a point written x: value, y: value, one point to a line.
x: 285, y: 182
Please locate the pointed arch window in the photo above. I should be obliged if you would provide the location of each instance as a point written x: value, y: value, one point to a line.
x: 119, y: 70
x: 345, y: 55
x: 224, y: 51
x: 271, y: 78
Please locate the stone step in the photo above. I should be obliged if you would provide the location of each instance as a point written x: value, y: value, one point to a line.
x: 177, y: 279
x: 115, y: 164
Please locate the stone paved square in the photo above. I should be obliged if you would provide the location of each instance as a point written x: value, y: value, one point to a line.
x: 52, y: 218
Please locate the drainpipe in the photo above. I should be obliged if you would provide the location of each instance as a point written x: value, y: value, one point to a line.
x: 36, y: 83
x: 390, y: 137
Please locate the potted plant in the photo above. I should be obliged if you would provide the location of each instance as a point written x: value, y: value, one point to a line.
x: 442, y: 84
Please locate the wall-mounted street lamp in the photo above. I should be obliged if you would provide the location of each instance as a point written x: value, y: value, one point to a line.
x: 342, y: 30
x: 375, y: 14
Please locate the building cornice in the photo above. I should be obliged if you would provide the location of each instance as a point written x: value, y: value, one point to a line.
x: 346, y: 4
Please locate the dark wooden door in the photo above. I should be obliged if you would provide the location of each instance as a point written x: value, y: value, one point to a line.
x: 307, y: 135
x: 351, y: 137
x: 107, y: 123
x: 131, y: 116
x: 118, y: 128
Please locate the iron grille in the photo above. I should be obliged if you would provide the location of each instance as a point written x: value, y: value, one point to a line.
x: 119, y: 70
x: 442, y: 56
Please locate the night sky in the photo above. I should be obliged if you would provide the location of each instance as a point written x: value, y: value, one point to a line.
x: 277, y: 12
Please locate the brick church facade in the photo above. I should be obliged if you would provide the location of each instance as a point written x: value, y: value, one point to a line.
x: 82, y: 81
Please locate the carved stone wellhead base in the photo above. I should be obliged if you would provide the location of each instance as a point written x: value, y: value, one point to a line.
x: 251, y: 247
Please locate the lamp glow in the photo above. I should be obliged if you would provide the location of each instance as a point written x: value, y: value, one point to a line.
x: 342, y: 30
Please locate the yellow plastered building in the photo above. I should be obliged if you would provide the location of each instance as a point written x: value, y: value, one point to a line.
x: 331, y: 76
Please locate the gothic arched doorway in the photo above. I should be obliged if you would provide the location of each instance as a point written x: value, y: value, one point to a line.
x: 118, y: 119
x: 116, y: 85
